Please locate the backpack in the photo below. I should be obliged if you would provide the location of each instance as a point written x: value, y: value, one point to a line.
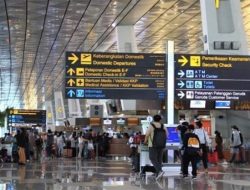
x: 182, y: 129
x: 159, y: 139
x: 193, y: 145
x: 241, y: 139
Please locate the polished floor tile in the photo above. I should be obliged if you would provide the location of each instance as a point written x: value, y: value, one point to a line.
x: 114, y: 174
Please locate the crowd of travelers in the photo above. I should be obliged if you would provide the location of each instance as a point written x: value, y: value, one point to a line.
x: 30, y: 145
x: 196, y: 147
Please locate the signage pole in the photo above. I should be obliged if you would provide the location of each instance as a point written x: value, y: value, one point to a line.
x: 169, y: 100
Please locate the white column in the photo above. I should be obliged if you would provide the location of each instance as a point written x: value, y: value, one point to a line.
x: 170, y: 82
x: 223, y: 30
x: 126, y: 44
x: 126, y: 39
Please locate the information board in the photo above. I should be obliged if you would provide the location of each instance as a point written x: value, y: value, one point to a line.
x: 22, y: 117
x: 115, y: 76
x: 212, y: 78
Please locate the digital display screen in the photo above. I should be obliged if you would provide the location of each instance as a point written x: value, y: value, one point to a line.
x: 197, y: 104
x: 172, y: 135
x: 19, y: 117
x: 222, y: 104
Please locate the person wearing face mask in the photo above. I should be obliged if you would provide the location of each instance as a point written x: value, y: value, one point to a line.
x: 235, y: 143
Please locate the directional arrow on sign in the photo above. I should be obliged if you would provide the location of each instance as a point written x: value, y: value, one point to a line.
x: 71, y: 82
x: 181, y: 94
x: 181, y: 84
x: 71, y: 93
x: 181, y: 73
x: 183, y: 60
x: 71, y: 71
x: 73, y: 58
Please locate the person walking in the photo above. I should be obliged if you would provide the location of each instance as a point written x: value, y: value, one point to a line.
x: 81, y: 142
x: 219, y: 146
x: 156, y: 134
x: 192, y: 151
x: 60, y: 144
x: 49, y: 143
x: 38, y: 146
x: 181, y: 129
x: 21, y: 138
x: 235, y: 143
x: 204, y: 142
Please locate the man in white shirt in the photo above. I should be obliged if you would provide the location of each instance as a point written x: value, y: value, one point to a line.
x: 204, y: 142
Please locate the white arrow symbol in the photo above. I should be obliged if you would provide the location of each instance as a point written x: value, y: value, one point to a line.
x: 181, y: 94
x: 181, y: 84
x: 181, y: 73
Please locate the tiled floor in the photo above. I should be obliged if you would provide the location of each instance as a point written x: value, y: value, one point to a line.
x: 111, y: 174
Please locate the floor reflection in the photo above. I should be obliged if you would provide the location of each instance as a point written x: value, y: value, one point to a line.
x: 72, y: 174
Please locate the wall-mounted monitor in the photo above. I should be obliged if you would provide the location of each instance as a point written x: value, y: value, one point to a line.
x: 198, y: 104
x: 222, y: 104
x: 120, y: 121
x: 107, y: 121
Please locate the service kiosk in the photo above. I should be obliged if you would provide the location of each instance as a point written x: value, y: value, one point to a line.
x: 172, y: 144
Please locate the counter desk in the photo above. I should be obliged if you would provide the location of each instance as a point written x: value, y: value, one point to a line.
x: 119, y: 147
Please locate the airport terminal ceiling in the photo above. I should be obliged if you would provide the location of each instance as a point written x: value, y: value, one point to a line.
x: 35, y: 34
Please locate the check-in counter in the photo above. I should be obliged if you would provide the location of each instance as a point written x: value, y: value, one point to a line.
x: 119, y: 147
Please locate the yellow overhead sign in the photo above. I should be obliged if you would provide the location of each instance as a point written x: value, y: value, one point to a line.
x: 71, y: 71
x: 79, y: 71
x: 71, y: 82
x: 73, y: 58
x: 217, y: 4
x: 79, y: 82
x: 86, y: 59
x: 195, y: 61
x: 183, y: 60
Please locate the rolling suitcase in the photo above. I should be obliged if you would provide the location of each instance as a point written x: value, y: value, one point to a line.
x: 213, y: 157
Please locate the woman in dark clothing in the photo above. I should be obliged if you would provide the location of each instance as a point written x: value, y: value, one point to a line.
x: 21, y: 138
x: 49, y: 143
x: 27, y: 146
x: 219, y: 146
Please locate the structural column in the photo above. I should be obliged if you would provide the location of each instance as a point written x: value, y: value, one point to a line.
x: 223, y: 33
x: 126, y: 39
x: 223, y: 30
x: 126, y: 44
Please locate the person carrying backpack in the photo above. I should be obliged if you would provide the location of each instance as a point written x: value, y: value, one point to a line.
x: 192, y: 151
x: 182, y: 129
x: 156, y: 136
